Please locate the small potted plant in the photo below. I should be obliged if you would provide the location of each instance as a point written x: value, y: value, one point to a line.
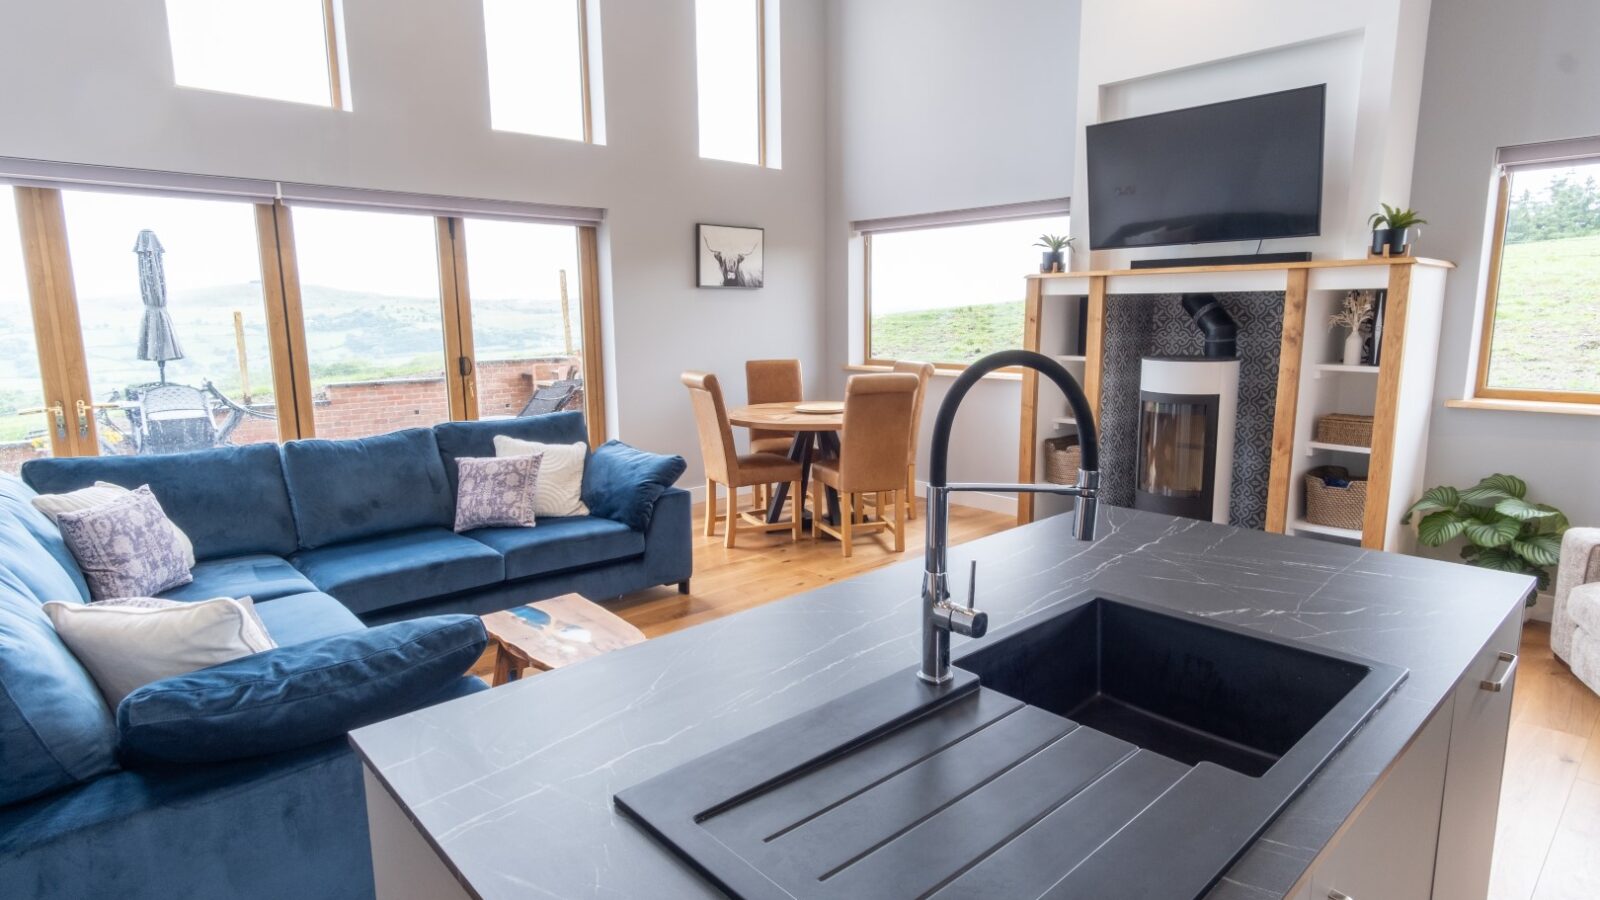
x: 1055, y: 252
x: 1503, y: 530
x: 1354, y: 314
x: 1393, y: 229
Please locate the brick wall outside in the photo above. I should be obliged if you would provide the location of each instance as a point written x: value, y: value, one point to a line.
x: 360, y: 408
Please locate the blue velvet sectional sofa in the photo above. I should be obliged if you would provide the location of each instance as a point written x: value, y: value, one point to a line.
x: 328, y: 537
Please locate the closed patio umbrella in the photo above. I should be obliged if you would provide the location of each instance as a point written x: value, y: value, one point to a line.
x: 157, y: 340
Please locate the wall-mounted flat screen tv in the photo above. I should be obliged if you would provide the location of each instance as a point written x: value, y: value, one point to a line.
x: 1241, y: 170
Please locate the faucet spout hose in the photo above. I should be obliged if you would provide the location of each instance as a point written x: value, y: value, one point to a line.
x: 1088, y: 439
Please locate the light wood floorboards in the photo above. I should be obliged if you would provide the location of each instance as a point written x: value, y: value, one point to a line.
x: 1548, y: 843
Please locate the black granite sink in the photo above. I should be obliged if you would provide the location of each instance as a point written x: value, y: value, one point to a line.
x: 1178, y: 686
x: 1103, y: 749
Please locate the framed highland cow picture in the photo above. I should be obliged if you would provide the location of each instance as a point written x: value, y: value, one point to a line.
x: 730, y: 256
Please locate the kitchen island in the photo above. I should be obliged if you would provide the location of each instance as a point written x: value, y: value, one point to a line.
x: 508, y: 793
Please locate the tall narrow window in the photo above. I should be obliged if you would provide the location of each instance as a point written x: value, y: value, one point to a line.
x: 278, y: 49
x: 369, y: 287
x: 967, y: 305
x: 538, y: 67
x: 527, y: 316
x: 1541, y: 333
x: 174, y: 324
x: 731, y: 61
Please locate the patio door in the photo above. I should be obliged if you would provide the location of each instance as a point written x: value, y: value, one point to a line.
x: 150, y: 322
x: 145, y: 322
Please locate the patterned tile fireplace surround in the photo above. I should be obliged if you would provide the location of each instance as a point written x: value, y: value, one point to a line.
x: 1156, y: 325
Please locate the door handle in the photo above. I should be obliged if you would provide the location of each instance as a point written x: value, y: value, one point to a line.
x: 56, y: 412
x: 1499, y: 684
x: 83, y: 418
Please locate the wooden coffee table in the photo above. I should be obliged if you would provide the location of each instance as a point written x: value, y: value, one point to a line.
x: 553, y: 633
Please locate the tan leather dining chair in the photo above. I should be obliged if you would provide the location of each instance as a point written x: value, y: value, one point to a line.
x: 872, y: 458
x: 771, y: 381
x: 924, y: 373
x: 726, y: 466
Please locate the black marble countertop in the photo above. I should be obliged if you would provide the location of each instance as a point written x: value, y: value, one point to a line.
x: 514, y: 785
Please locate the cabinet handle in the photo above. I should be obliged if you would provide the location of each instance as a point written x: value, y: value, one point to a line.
x: 1339, y: 895
x: 1499, y: 684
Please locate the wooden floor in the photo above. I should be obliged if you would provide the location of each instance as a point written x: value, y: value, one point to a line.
x: 1548, y: 843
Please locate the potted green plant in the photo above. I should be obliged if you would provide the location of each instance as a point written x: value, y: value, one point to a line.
x: 1393, y: 228
x: 1503, y: 530
x: 1055, y: 252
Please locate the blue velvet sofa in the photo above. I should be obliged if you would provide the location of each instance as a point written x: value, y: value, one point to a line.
x: 327, y: 537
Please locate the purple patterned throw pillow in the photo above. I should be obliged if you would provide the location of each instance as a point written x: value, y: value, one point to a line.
x: 496, y: 491
x: 126, y: 547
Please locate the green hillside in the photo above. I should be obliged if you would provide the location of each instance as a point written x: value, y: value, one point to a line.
x: 957, y: 334
x: 1547, y: 316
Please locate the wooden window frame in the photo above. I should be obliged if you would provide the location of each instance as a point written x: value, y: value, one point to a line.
x: 1481, y: 388
x: 330, y: 37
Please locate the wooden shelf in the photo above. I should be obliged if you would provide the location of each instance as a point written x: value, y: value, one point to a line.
x: 1257, y: 267
x: 1064, y: 420
x: 1348, y: 534
x: 1069, y: 358
x: 1341, y: 448
x: 1337, y: 368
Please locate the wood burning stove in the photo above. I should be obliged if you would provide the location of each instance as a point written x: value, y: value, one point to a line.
x: 1187, y: 409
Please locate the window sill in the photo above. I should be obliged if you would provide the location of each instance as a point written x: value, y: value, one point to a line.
x: 1531, y: 406
x: 938, y: 372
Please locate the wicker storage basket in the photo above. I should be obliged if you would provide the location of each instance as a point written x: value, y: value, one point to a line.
x: 1062, y: 459
x: 1339, y: 507
x: 1344, y: 428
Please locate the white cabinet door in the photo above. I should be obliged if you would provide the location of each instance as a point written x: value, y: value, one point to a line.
x: 1477, y: 759
x: 1388, y: 851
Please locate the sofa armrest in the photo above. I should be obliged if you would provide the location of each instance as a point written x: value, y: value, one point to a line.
x: 1580, y: 564
x: 623, y: 483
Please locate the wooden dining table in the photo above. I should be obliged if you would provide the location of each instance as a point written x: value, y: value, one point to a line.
x: 812, y: 432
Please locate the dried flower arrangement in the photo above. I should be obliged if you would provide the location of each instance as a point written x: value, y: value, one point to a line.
x: 1356, y: 312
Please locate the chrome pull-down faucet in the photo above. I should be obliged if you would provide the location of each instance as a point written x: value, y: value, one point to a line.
x: 939, y: 615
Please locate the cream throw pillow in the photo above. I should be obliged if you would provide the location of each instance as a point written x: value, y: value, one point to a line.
x: 103, y: 492
x: 126, y: 644
x: 560, y: 488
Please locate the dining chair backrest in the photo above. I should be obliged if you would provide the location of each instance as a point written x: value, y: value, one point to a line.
x: 772, y: 381
x: 924, y: 373
x: 877, y: 426
x: 711, y: 420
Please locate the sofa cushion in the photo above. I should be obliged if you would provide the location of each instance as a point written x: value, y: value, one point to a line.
x: 98, y: 494
x: 311, y: 616
x: 229, y: 501
x: 296, y: 696
x: 624, y: 483
x: 417, y: 564
x: 259, y: 576
x: 458, y: 439
x: 555, y: 545
x: 16, y: 498
x: 348, y: 490
x: 55, y: 730
x: 127, y: 547
x: 39, y: 572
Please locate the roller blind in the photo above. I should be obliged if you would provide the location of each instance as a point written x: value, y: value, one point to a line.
x: 1552, y: 153
x: 42, y: 173
x: 1036, y: 209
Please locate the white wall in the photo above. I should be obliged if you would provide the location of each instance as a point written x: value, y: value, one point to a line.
x: 1499, y: 76
x: 938, y: 105
x: 1145, y: 56
x: 90, y: 81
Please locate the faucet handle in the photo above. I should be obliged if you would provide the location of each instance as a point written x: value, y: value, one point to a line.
x: 972, y: 585
x: 965, y: 619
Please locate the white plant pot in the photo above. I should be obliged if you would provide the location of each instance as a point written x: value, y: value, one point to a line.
x: 1352, y: 349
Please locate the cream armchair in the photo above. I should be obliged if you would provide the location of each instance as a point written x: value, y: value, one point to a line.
x: 1575, y: 628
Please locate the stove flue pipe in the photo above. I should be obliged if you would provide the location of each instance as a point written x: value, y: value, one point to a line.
x: 1219, y: 329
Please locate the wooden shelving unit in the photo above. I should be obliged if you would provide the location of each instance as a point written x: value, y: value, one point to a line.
x: 1398, y: 393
